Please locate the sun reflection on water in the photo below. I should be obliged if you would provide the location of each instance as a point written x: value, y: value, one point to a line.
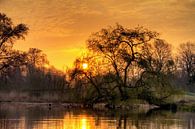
x: 83, y: 120
x: 83, y: 123
x: 79, y: 122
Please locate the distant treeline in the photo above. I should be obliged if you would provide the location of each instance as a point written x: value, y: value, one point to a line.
x: 122, y: 64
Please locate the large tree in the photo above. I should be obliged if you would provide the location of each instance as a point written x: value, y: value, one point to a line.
x: 121, y: 48
x: 127, y: 63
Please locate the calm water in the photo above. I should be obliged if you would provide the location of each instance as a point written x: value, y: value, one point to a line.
x: 20, y: 116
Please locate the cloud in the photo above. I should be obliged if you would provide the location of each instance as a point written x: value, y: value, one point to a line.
x: 70, y: 17
x: 56, y: 24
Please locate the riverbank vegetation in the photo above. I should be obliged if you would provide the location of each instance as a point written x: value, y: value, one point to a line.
x: 122, y: 66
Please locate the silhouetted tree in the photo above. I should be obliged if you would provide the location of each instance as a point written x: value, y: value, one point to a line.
x: 123, y: 59
x: 15, y: 59
x: 37, y: 58
x: 120, y: 47
x: 8, y: 34
x: 158, y: 69
x: 157, y: 57
x: 95, y: 78
x: 187, y: 60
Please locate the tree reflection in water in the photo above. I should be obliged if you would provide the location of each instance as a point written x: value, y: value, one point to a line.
x: 40, y: 117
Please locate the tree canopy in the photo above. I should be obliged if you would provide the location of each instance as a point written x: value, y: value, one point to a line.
x: 8, y: 34
x: 130, y: 60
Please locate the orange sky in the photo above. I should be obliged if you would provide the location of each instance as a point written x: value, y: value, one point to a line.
x: 61, y: 27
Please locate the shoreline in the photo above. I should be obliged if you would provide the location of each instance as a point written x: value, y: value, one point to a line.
x: 68, y: 105
x: 181, y: 106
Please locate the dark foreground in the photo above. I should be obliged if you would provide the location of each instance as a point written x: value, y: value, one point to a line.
x: 42, y: 116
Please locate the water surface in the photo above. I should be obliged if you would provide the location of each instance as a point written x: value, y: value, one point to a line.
x: 30, y: 116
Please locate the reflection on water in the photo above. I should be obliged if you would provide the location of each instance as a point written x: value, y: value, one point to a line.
x: 20, y: 116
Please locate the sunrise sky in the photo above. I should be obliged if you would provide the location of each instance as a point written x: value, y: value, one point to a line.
x: 61, y: 27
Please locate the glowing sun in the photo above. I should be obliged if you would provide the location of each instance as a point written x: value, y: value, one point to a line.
x: 85, y: 65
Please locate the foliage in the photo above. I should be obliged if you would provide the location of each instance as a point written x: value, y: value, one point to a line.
x: 25, y: 71
x: 120, y: 47
x: 123, y: 60
x: 121, y: 65
x: 8, y: 34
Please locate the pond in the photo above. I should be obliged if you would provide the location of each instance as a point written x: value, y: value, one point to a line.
x: 41, y: 116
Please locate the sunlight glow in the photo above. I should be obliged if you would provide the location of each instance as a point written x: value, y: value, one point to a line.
x: 83, y: 123
x: 85, y: 65
x: 46, y: 66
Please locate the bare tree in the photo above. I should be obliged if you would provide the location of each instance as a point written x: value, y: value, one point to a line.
x: 157, y: 66
x: 36, y: 57
x: 187, y: 60
x: 158, y: 57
